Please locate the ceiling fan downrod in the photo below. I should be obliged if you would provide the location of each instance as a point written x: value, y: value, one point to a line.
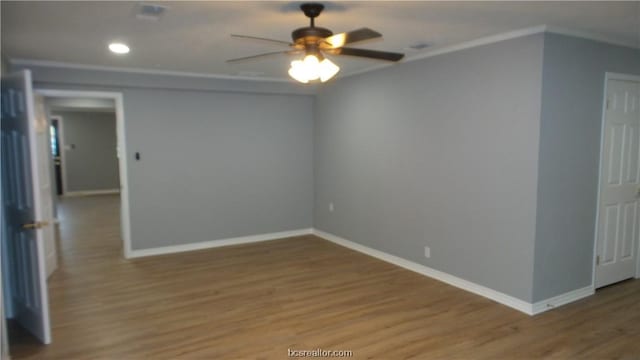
x: 312, y: 11
x: 315, y: 40
x: 311, y: 34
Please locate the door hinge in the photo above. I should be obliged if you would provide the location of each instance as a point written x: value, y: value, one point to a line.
x: 607, y: 106
x: 597, y: 260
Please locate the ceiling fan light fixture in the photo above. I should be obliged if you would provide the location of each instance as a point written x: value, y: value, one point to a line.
x: 328, y: 69
x: 310, y: 68
x: 298, y: 71
x: 315, y: 41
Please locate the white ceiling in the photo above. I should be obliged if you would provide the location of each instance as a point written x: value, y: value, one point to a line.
x: 194, y: 36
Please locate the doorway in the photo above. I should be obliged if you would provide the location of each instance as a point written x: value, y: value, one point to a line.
x: 56, y: 153
x: 83, y: 146
x: 48, y: 145
x: 71, y: 152
x: 617, y: 238
x: 83, y: 160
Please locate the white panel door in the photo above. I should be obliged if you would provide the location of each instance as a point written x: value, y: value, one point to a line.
x: 45, y: 192
x: 618, y: 232
x: 22, y: 220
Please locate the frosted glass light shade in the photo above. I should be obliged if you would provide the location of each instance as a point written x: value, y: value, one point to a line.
x: 310, y: 68
x: 297, y: 71
x: 328, y: 70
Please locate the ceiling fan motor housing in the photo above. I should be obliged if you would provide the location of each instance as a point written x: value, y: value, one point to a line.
x: 314, y: 40
x: 310, y: 35
x: 305, y: 35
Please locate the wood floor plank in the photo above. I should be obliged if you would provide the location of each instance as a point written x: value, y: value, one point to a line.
x: 256, y: 301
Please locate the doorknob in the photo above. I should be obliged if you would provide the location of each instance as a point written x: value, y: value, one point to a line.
x: 35, y: 225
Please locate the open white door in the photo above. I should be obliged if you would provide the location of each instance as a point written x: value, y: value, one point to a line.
x: 619, y: 212
x: 23, y: 216
x: 44, y: 185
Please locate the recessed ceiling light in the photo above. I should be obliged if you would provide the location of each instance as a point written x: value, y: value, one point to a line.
x: 119, y: 48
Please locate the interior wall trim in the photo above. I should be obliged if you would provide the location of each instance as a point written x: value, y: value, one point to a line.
x: 498, y: 38
x: 172, y: 249
x: 91, y: 192
x: 76, y: 66
x: 562, y: 299
x: 497, y: 296
x: 491, y: 294
x: 461, y: 46
x: 427, y: 54
x: 477, y: 289
x: 117, y: 97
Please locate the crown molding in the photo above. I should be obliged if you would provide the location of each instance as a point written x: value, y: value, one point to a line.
x: 480, y: 42
x: 590, y: 36
x: 461, y: 46
x: 427, y: 54
x: 498, y: 38
x: 76, y: 66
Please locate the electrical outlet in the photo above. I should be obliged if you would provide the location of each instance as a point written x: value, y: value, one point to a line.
x: 330, y: 207
x: 427, y: 252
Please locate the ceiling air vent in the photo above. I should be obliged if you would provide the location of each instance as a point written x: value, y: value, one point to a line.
x: 146, y: 11
x: 419, y: 46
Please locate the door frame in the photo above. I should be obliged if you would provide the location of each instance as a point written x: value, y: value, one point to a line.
x: 608, y: 76
x: 117, y: 97
x: 4, y: 339
x: 63, y: 172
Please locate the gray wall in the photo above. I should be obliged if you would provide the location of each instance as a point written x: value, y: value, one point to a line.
x: 214, y: 164
x: 571, y: 118
x: 440, y: 152
x: 217, y: 165
x: 93, y: 163
x: 485, y: 155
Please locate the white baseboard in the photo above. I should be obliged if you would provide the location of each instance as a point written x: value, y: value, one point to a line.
x: 494, y: 295
x: 217, y: 243
x: 91, y: 192
x: 497, y: 296
x: 562, y: 299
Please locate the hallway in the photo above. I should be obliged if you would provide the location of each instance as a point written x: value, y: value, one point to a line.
x: 89, y: 229
x: 256, y: 301
x: 89, y: 263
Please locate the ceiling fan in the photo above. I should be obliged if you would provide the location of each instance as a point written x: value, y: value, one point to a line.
x: 314, y: 42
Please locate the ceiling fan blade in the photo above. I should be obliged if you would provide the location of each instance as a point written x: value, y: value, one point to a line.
x: 339, y: 40
x: 261, y: 55
x: 372, y: 54
x: 261, y: 39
